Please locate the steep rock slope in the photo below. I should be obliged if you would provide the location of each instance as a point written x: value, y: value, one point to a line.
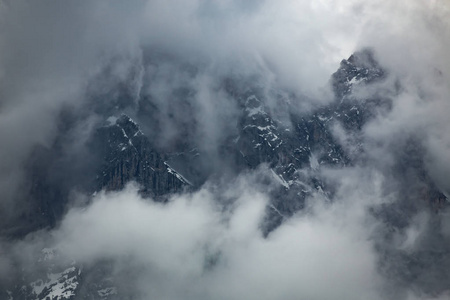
x: 128, y: 155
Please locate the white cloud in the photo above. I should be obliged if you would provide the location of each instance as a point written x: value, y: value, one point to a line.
x: 320, y: 255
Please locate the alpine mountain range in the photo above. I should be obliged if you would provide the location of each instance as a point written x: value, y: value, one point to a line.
x: 287, y: 147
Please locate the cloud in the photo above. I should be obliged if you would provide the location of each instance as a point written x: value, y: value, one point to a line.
x: 73, y: 56
x: 46, y: 60
x: 192, y: 247
x: 209, y: 244
x: 53, y: 57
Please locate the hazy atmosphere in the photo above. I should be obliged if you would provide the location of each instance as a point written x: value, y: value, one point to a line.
x: 225, y: 149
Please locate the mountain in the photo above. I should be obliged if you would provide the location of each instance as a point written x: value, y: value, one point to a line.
x: 293, y: 146
x: 128, y: 155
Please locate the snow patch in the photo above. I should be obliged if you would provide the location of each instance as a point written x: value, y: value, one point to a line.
x: 355, y: 81
x: 124, y: 133
x: 176, y: 174
x: 38, y: 286
x: 280, y: 179
x: 313, y: 162
x: 276, y: 210
x: 57, y: 286
x: 322, y: 118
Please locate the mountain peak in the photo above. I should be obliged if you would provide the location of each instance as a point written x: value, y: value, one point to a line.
x: 360, y: 68
x: 130, y: 127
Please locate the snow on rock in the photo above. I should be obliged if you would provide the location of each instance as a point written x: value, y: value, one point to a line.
x: 176, y: 174
x: 57, y: 286
x: 280, y: 179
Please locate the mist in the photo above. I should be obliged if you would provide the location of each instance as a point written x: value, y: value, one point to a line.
x: 177, y: 67
x: 196, y: 247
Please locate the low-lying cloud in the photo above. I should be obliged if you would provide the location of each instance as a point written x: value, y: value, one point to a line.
x: 209, y: 244
x: 71, y: 56
x: 194, y: 248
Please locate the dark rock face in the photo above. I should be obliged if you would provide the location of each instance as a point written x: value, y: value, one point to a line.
x: 121, y: 153
x: 128, y: 155
x: 114, y: 155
